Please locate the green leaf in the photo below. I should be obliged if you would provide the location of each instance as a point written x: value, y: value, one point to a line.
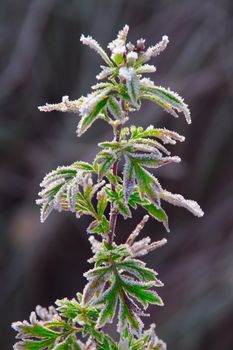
x: 87, y: 120
x: 152, y: 161
x: 128, y: 316
x: 100, y: 226
x: 102, y: 202
x: 109, y: 298
x: 113, y: 179
x: 98, y: 278
x: 133, y: 91
x: 119, y: 200
x: 65, y: 345
x: 35, y: 345
x: 167, y: 99
x: 114, y: 108
x: 129, y: 178
x: 84, y: 166
x: 140, y: 291
x: 104, y: 161
x: 158, y: 213
x: 123, y: 208
x: 138, y: 269
x: 147, y: 184
x: 105, y: 166
x: 107, y: 144
x: 165, y: 135
x: 75, y: 311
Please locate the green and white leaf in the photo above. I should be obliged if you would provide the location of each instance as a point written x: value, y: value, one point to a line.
x: 115, y: 108
x: 88, y: 119
x: 167, y: 99
x: 132, y: 84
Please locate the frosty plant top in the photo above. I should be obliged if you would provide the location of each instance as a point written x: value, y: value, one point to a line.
x: 119, y: 284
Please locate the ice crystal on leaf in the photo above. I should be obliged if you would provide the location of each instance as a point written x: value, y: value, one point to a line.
x: 120, y: 287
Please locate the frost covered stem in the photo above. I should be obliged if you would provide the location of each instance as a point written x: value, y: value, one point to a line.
x: 113, y: 211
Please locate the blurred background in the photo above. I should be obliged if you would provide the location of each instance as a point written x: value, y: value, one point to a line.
x: 41, y: 59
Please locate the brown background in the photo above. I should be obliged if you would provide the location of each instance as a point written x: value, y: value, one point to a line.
x: 41, y: 59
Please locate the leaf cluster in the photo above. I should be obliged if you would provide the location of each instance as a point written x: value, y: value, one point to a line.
x: 117, y: 278
x: 57, y: 329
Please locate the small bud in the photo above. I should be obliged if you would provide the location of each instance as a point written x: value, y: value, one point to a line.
x: 140, y: 44
x: 132, y: 58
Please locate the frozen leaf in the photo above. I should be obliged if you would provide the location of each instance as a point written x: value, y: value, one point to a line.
x: 119, y: 201
x: 132, y: 86
x: 167, y: 99
x: 165, y: 135
x: 104, y: 162
x: 105, y: 73
x: 100, y: 226
x: 146, y: 68
x: 109, y: 298
x: 180, y: 201
x: 97, y: 280
x: 102, y: 202
x: 65, y: 106
x: 154, y: 51
x: 151, y: 160
x: 93, y: 44
x: 128, y: 316
x: 129, y: 178
x: 141, y: 292
x: 90, y: 110
x: 158, y: 213
x: 138, y: 269
x: 114, y: 108
x: 148, y: 185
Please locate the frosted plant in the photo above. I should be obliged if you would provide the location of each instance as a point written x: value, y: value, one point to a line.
x: 119, y: 286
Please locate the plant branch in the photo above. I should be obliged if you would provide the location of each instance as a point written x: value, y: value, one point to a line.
x: 113, y: 211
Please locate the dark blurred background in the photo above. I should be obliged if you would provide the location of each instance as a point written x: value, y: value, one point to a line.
x: 41, y: 59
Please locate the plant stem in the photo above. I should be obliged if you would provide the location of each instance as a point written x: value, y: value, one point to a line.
x: 113, y: 210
